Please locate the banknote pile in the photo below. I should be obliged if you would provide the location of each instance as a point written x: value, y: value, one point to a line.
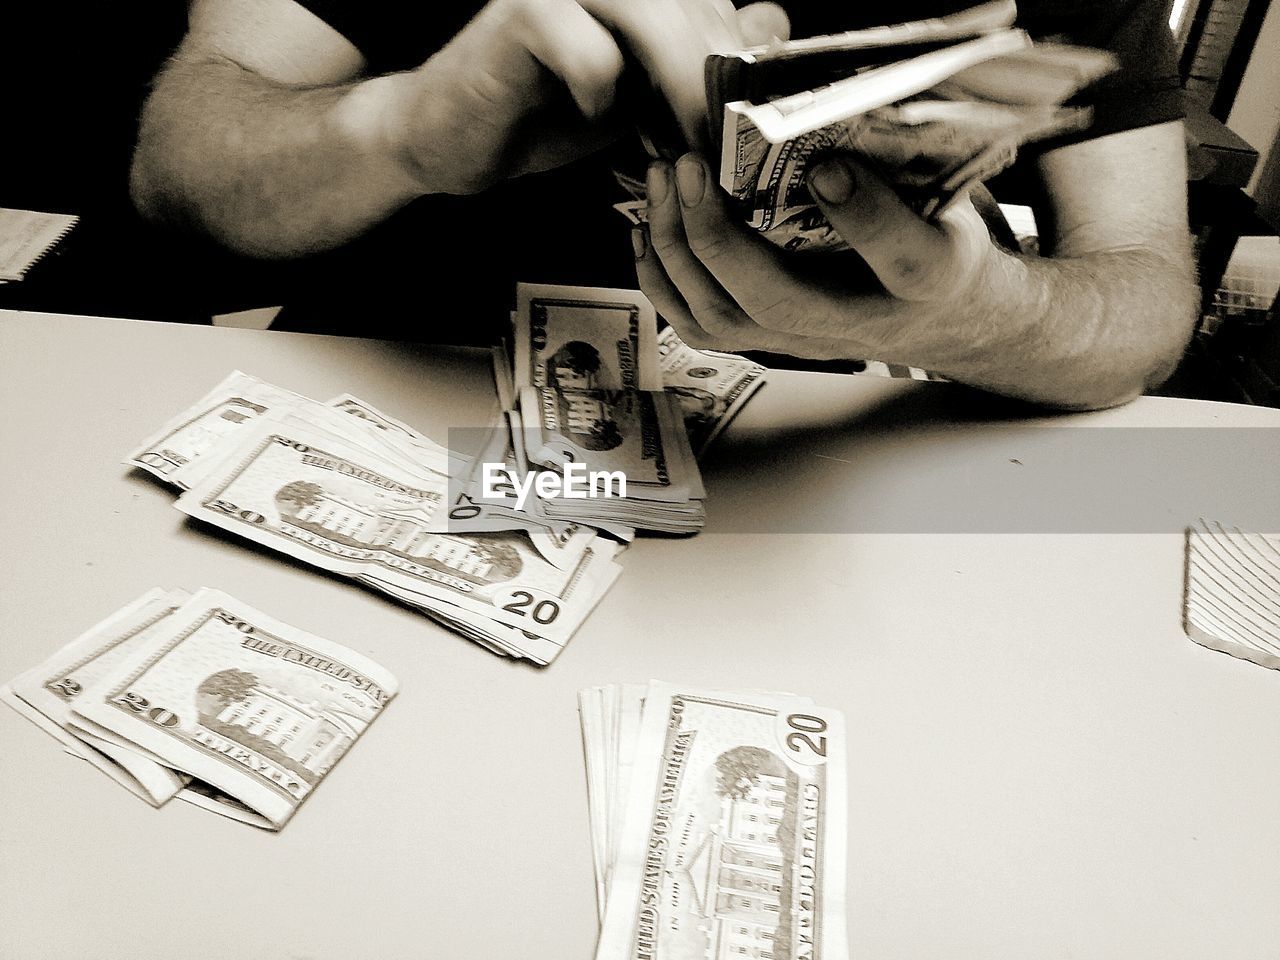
x: 934, y: 106
x: 589, y: 391
x: 201, y: 697
x: 353, y: 490
x: 718, y: 823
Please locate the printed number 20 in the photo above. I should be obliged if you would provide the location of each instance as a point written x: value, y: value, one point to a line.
x: 544, y: 611
x: 804, y: 728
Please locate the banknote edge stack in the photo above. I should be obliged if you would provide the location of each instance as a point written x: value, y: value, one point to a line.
x: 902, y: 98
x: 640, y: 761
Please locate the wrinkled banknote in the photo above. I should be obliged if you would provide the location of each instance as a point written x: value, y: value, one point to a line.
x: 310, y: 501
x: 711, y: 387
x: 47, y: 693
x: 198, y: 430
x: 257, y: 709
x: 205, y: 699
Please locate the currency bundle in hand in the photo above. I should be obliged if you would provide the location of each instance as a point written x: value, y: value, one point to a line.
x: 203, y: 698
x: 934, y: 107
x: 718, y: 823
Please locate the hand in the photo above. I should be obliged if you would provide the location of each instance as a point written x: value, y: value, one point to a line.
x: 529, y: 84
x: 723, y: 286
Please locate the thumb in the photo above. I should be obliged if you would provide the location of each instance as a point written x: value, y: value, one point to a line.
x: 913, y: 259
x: 762, y: 22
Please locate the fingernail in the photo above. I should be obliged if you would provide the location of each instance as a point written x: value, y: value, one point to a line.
x: 832, y: 181
x: 639, y: 242
x: 657, y: 183
x: 692, y: 180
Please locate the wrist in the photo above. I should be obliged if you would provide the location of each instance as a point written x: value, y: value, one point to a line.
x: 373, y: 116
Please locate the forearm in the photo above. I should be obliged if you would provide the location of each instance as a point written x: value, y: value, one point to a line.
x: 1082, y: 332
x: 268, y: 169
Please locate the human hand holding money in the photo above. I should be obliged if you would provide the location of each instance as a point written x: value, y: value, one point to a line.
x: 931, y: 107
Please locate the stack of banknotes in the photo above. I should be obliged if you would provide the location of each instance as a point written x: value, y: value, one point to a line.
x: 934, y: 106
x: 718, y: 823
x: 203, y: 698
x: 589, y: 391
x: 347, y: 488
x: 355, y: 491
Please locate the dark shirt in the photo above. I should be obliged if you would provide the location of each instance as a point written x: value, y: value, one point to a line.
x: 444, y: 268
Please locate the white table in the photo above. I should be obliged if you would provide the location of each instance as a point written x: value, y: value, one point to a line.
x: 1041, y: 764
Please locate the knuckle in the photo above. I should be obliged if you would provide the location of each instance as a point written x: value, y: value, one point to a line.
x: 605, y: 61
x: 709, y: 244
x: 717, y: 318
x: 778, y: 315
x: 534, y: 16
x: 918, y: 278
x: 692, y: 334
x: 666, y: 242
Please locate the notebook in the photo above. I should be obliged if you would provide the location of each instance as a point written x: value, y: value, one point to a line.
x: 26, y: 236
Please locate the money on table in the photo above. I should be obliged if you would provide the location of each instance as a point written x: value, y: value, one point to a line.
x: 718, y: 822
x: 202, y: 697
x: 359, y: 492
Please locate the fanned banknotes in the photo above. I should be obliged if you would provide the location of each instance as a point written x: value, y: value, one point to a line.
x: 718, y: 823
x: 933, y: 106
x: 356, y: 491
x: 711, y: 387
x: 204, y: 698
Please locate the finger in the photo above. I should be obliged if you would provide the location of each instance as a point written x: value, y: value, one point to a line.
x: 664, y: 296
x: 654, y: 282
x: 714, y: 310
x: 913, y: 259
x: 703, y: 304
x: 763, y: 23
x: 671, y: 39
x: 746, y: 267
x: 671, y: 306
x: 575, y: 47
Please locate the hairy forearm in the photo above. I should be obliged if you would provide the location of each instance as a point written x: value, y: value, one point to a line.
x: 1080, y: 332
x: 267, y: 169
